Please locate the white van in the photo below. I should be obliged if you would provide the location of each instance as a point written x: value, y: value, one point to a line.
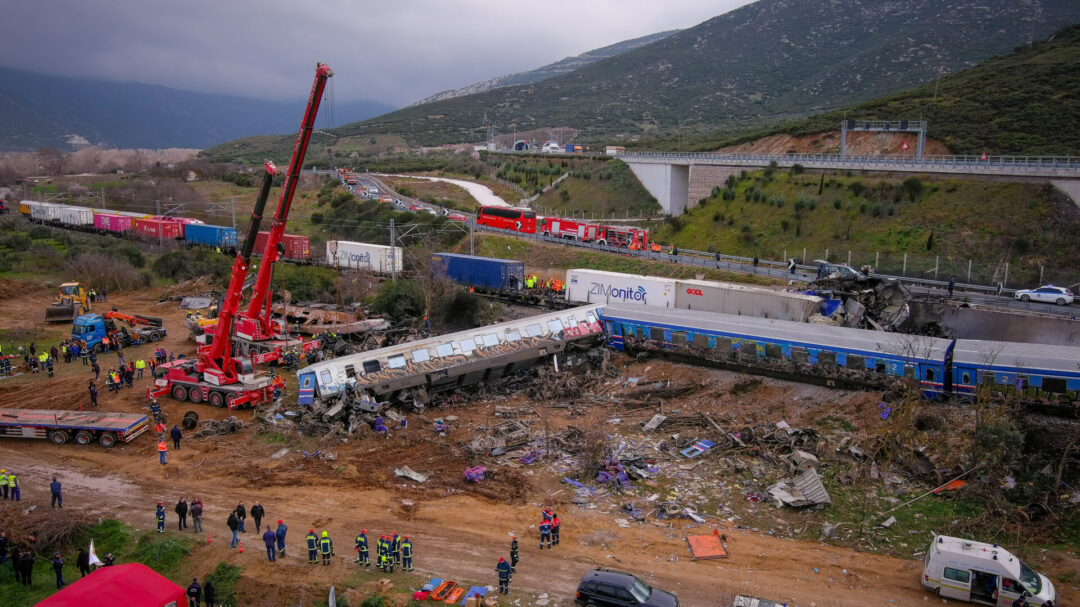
x: 982, y: 573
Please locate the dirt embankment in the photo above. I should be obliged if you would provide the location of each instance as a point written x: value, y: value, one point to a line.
x: 860, y: 143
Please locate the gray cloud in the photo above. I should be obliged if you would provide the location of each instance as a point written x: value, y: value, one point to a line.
x: 395, y: 52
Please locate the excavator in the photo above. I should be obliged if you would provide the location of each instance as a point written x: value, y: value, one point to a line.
x: 218, y: 376
x: 72, y: 301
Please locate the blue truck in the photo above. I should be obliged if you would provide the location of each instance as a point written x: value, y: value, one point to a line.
x: 211, y: 236
x: 90, y: 330
x: 486, y: 273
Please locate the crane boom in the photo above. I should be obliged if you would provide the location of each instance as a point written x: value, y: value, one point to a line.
x: 259, y: 306
x: 220, y: 350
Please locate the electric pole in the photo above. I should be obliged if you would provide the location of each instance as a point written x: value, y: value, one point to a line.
x: 393, y: 256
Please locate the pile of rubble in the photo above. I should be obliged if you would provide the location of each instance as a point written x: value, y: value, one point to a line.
x: 210, y: 427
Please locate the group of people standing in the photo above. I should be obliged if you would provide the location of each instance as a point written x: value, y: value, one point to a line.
x: 390, y: 550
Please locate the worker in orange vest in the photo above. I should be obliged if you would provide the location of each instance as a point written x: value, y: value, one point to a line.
x: 162, y: 449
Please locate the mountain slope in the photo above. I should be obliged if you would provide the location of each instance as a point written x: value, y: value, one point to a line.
x: 49, y: 111
x: 764, y: 62
x: 563, y: 66
x: 1027, y: 102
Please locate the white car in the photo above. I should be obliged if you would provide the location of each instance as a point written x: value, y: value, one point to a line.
x: 1048, y: 294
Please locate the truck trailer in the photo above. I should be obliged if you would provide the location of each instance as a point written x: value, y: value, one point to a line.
x: 84, y: 427
x: 487, y: 273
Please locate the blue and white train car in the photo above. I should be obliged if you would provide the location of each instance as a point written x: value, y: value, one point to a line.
x: 413, y: 369
x: 855, y: 356
x: 1036, y: 371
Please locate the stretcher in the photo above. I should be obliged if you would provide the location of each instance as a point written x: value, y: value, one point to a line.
x: 442, y: 590
x: 454, y: 595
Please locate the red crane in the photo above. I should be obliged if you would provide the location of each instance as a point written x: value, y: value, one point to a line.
x: 257, y: 333
x: 219, y: 377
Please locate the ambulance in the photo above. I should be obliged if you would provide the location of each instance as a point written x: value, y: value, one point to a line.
x: 982, y: 573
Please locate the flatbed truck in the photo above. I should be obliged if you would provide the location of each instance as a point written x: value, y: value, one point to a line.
x: 82, y: 427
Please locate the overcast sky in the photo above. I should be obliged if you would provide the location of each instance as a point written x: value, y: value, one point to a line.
x: 395, y: 51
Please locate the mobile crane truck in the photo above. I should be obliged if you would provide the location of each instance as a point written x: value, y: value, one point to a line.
x: 217, y: 376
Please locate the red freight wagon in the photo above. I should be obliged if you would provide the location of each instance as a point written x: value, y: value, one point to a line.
x: 117, y: 224
x: 154, y: 227
x: 297, y: 247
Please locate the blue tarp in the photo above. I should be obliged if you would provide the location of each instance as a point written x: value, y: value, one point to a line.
x: 829, y: 307
x: 481, y: 590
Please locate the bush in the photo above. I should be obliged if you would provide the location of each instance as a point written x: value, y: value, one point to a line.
x: 857, y: 188
x: 1022, y: 245
x: 374, y: 601
x: 891, y: 211
x: 812, y: 205
x: 17, y: 241
x: 715, y: 191
x: 183, y: 264
x: 717, y: 217
x: 836, y: 203
x: 784, y: 224
x: 862, y: 208
x: 912, y: 187
x: 797, y: 169
x: 702, y: 202
x: 730, y: 182
x: 224, y: 579
x: 400, y: 300
x: 316, y: 218
x: 876, y: 212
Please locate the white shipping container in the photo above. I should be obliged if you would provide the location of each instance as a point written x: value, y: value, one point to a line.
x: 374, y: 257
x: 76, y: 216
x: 45, y: 212
x: 744, y: 300
x: 595, y: 286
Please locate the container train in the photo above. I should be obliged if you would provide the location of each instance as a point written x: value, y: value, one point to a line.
x: 845, y: 357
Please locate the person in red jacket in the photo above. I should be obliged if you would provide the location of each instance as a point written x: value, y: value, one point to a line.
x: 555, y: 529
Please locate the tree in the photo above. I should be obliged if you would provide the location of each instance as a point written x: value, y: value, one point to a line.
x: 912, y: 187
x: 51, y: 160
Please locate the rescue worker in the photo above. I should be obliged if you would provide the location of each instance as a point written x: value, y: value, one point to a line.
x: 162, y: 449
x: 270, y: 539
x: 160, y: 517
x: 395, y: 548
x: 282, y: 529
x: 4, y: 483
x: 194, y: 593
x: 555, y: 529
x: 362, y: 549
x: 58, y: 567
x: 139, y: 366
x: 326, y: 546
x: 109, y: 560
x: 155, y: 409
x: 389, y: 551
x: 545, y: 533
x: 505, y: 574
x: 93, y: 394
x: 406, y: 554
x: 57, y: 499
x: 49, y: 366
x: 13, y: 487
x: 513, y: 553
x: 312, y: 547
x: 176, y: 435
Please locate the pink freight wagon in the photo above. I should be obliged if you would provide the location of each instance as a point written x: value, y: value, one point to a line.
x: 117, y: 224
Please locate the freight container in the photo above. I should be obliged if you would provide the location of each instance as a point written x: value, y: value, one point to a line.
x: 184, y: 223
x: 743, y: 300
x: 76, y: 217
x: 45, y: 212
x: 573, y: 148
x: 594, y: 286
x: 116, y: 224
x: 297, y: 248
x: 481, y: 272
x: 155, y: 227
x: 211, y: 236
x: 374, y: 257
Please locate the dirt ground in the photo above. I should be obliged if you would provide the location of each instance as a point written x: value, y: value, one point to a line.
x: 829, y: 143
x: 459, y: 529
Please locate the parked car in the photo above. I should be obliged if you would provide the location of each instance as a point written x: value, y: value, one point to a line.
x: 457, y: 217
x: 1048, y: 294
x: 610, y: 588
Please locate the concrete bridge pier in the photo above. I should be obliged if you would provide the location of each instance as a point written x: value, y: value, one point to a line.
x: 670, y: 183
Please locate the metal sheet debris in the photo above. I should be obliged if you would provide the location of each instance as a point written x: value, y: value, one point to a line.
x: 704, y: 547
x: 195, y: 303
x: 409, y: 473
x: 280, y: 453
x: 654, y: 423
x: 805, y: 490
x: 699, y: 447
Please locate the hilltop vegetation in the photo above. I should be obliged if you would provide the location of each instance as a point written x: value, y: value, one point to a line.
x: 596, y: 186
x: 769, y: 212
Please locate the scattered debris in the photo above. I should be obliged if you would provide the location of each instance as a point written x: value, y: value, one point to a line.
x: 805, y: 490
x: 280, y: 453
x: 411, y: 474
x: 889, y: 522
x: 704, y: 547
x: 476, y: 474
x: 210, y: 427
x: 699, y: 447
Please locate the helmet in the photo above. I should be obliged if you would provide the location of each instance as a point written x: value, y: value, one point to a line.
x: 405, y: 537
x: 501, y: 559
x: 279, y: 521
x: 311, y: 531
x: 325, y: 534
x: 363, y: 531
x: 159, y: 503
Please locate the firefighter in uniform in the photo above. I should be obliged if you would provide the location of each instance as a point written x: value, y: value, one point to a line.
x: 555, y: 529
x: 388, y: 554
x: 395, y: 548
x: 545, y: 533
x: 380, y: 553
x: 505, y: 574
x: 160, y: 517
x: 312, y: 547
x: 326, y: 546
x: 362, y: 549
x: 513, y: 554
x: 406, y: 554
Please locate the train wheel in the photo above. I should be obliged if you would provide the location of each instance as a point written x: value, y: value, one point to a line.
x: 84, y: 437
x: 195, y: 395
x: 180, y: 393
x: 107, y: 440
x: 58, y: 437
x: 217, y: 399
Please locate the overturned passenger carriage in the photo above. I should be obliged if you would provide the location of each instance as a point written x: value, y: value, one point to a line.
x: 408, y: 372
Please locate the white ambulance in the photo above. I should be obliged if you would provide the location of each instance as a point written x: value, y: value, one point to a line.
x: 982, y: 573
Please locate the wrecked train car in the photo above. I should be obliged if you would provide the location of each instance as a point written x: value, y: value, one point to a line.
x: 408, y: 372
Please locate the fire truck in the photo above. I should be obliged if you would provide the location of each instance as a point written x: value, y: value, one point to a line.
x: 217, y: 376
x: 613, y: 235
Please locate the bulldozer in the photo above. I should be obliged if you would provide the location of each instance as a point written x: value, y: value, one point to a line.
x: 71, y: 302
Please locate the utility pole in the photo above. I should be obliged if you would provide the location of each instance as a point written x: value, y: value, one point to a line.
x: 471, y: 246
x: 232, y: 204
x: 393, y: 256
x: 941, y: 69
x: 101, y: 194
x: 160, y: 225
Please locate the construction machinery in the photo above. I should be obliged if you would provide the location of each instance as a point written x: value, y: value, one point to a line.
x: 258, y: 334
x: 92, y: 330
x: 72, y: 301
x: 217, y: 376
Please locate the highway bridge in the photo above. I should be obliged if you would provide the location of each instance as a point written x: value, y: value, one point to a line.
x: 667, y: 175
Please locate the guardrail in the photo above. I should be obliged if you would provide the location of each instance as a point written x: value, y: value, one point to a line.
x: 1062, y: 163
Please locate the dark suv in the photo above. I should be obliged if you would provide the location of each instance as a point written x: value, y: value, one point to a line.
x: 608, y: 588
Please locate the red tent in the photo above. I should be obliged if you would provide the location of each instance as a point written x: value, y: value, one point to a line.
x: 131, y: 585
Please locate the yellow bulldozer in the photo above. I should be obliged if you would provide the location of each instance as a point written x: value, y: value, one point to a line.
x: 71, y: 302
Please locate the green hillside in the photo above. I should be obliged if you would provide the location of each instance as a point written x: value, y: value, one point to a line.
x: 1027, y: 102
x: 768, y: 213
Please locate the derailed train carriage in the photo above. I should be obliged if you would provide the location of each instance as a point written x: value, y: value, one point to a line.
x: 853, y: 358
x: 409, y: 372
